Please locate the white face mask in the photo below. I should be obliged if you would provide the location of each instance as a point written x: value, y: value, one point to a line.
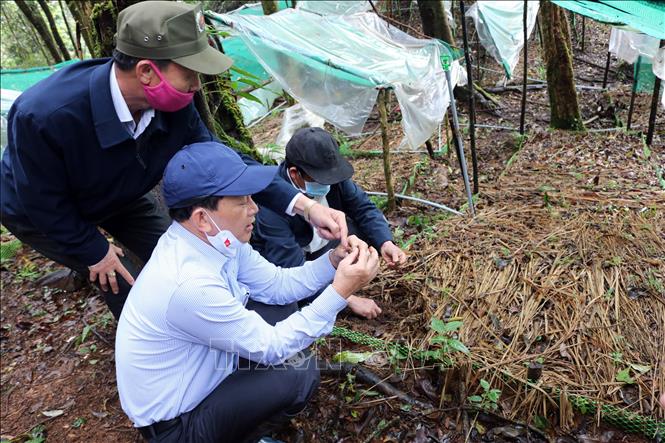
x: 224, y: 241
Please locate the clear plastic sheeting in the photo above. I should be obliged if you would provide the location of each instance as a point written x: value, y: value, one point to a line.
x: 252, y: 110
x: 659, y: 64
x: 296, y: 117
x: 501, y: 30
x: 448, y: 7
x: 628, y: 45
x: 334, y: 65
x: 659, y: 70
x: 322, y: 7
x: 7, y: 98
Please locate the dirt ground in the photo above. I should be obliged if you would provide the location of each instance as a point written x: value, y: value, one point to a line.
x: 56, y: 343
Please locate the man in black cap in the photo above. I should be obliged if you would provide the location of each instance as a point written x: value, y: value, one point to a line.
x: 315, y: 167
x: 87, y: 144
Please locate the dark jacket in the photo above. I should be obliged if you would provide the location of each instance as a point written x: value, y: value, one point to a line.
x: 70, y: 163
x: 281, y: 239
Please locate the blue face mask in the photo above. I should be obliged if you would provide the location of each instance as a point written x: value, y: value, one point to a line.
x: 314, y: 189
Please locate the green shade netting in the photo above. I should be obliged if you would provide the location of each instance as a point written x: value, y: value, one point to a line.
x: 235, y: 48
x: 643, y: 15
x: 22, y: 79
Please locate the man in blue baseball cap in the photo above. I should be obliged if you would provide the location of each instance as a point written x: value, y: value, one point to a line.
x: 208, y: 346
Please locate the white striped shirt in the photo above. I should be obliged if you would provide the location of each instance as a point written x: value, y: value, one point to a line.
x: 185, y: 322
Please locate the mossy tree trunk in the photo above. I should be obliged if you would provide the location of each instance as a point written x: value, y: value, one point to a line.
x: 219, y: 109
x: 269, y: 6
x: 54, y: 30
x: 557, y: 49
x: 435, y: 20
x: 104, y: 18
x: 30, y: 11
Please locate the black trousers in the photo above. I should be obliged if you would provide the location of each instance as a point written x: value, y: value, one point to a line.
x: 137, y: 226
x: 252, y: 401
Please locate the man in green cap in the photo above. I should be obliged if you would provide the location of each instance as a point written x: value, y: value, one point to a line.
x: 87, y: 144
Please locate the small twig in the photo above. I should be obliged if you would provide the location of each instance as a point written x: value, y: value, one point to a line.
x: 364, y: 375
x: 97, y: 334
x: 380, y: 429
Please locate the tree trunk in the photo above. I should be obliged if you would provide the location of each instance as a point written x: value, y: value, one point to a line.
x: 435, y: 20
x: 36, y: 20
x: 82, y: 11
x: 269, y: 6
x: 54, y: 30
x: 34, y: 37
x: 564, y: 110
x: 75, y: 42
x: 25, y: 52
x: 104, y: 17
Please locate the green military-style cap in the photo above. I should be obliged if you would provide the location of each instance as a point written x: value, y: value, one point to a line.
x: 169, y: 30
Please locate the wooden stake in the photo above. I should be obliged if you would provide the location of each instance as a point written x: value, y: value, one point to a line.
x: 524, y: 76
x: 472, y: 102
x: 654, y: 105
x: 383, y: 113
x: 632, y: 95
x: 607, y: 69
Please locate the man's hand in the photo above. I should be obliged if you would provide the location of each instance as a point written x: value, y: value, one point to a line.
x: 363, y: 307
x: 329, y: 223
x: 356, y: 270
x: 392, y: 254
x: 341, y: 251
x: 108, y: 268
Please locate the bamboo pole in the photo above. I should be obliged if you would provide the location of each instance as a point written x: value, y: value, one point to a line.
x: 472, y: 102
x: 383, y: 113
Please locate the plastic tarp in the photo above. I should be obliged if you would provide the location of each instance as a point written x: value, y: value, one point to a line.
x: 646, y: 16
x: 501, y: 30
x: 335, y: 64
x: 333, y: 7
x: 7, y: 97
x: 628, y: 45
x: 659, y: 70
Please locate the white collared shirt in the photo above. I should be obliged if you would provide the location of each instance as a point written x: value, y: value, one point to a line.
x: 122, y: 109
x: 184, y: 322
x: 317, y: 242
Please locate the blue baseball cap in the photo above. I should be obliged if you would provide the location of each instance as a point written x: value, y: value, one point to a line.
x: 210, y: 169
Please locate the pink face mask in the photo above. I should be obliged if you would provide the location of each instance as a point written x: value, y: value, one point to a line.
x: 165, y: 97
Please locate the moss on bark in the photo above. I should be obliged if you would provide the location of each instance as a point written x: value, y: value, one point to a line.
x: 564, y: 108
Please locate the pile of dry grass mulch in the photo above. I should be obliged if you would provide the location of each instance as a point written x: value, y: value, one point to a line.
x: 563, y: 266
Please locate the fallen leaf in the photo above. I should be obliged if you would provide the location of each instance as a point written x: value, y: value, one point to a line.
x: 53, y: 413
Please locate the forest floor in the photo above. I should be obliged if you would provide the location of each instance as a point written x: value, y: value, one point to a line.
x: 562, y: 269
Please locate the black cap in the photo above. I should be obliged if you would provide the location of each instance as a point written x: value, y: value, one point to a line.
x: 316, y: 152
